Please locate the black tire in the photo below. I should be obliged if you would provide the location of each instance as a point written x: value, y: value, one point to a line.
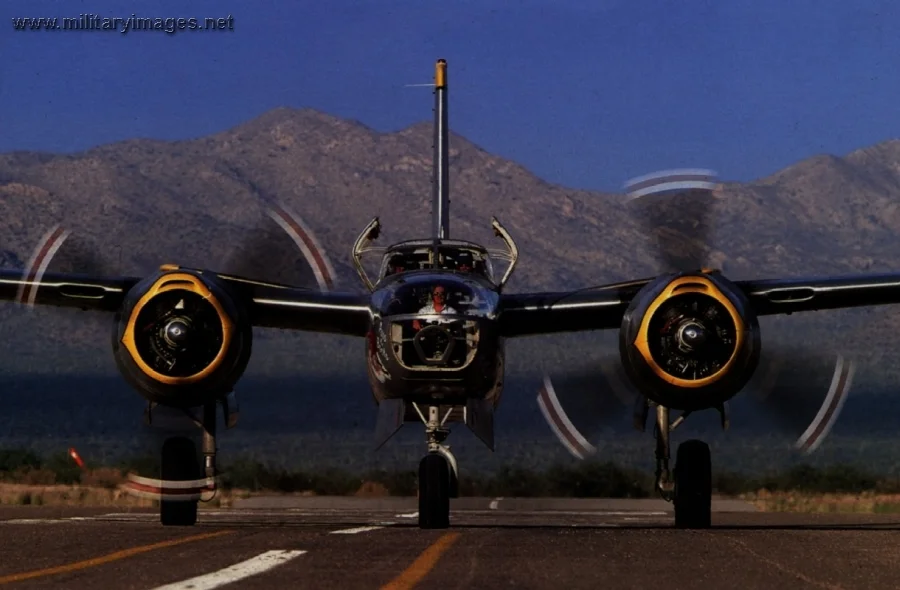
x: 434, y: 492
x: 454, y: 482
x: 693, y: 486
x: 179, y: 463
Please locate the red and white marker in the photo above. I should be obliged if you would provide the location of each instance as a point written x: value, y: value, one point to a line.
x: 76, y: 457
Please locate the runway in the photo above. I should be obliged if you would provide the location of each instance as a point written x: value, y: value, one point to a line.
x: 362, y: 543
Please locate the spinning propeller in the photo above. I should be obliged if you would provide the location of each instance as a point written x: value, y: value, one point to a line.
x: 180, y: 330
x: 799, y: 391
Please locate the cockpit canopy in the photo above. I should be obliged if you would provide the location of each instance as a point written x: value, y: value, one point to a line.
x: 417, y: 294
x: 463, y: 257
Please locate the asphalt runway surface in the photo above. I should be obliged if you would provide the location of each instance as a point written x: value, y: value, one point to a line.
x: 351, y: 543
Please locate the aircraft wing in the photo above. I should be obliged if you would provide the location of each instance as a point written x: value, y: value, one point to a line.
x: 65, y: 290
x: 528, y: 314
x: 777, y: 296
x: 269, y: 305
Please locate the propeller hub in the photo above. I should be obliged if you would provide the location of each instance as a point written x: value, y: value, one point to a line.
x: 177, y: 332
x: 691, y: 335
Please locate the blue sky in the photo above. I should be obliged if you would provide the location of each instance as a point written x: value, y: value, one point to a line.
x: 586, y: 93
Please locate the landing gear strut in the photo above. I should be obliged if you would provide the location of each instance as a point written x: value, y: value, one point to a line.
x: 690, y: 491
x: 438, y: 472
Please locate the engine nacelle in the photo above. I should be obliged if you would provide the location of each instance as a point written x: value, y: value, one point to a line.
x: 181, y: 338
x: 690, y: 341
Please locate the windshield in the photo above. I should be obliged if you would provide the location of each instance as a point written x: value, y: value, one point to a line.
x: 466, y: 260
x: 438, y: 295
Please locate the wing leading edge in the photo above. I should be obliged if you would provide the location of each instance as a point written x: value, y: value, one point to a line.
x: 602, y: 308
x: 65, y: 290
x: 270, y: 305
x: 784, y: 296
x: 523, y: 314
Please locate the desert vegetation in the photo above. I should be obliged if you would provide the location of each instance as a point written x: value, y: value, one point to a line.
x: 27, y: 478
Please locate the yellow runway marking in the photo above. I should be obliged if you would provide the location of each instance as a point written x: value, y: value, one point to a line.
x: 80, y: 565
x: 423, y: 564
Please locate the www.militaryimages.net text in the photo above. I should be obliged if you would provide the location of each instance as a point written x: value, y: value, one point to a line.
x: 133, y: 23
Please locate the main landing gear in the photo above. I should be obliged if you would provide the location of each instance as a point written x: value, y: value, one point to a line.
x: 438, y: 472
x: 183, y: 481
x: 179, y: 463
x: 690, y: 490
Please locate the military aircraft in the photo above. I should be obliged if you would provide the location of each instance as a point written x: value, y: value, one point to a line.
x: 434, y: 321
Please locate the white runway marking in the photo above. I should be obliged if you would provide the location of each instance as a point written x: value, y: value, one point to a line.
x: 239, y: 571
x: 495, y: 502
x: 597, y: 513
x: 361, y: 529
x: 410, y: 515
x: 626, y: 513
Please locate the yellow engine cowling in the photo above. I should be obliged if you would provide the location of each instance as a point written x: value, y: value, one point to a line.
x: 181, y: 338
x: 690, y: 341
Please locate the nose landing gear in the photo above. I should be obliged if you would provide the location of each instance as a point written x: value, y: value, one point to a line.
x: 438, y: 473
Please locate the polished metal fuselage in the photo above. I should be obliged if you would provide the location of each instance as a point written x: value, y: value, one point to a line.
x: 418, y: 354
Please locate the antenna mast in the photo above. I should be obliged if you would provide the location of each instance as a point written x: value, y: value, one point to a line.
x: 441, y: 181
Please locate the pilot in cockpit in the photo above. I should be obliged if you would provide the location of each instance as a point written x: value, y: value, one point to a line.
x: 436, y: 306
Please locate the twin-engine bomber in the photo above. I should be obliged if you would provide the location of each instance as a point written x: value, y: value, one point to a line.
x: 433, y: 321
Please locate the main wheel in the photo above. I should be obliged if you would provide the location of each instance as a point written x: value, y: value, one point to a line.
x: 434, y: 492
x: 179, y: 463
x: 454, y: 482
x: 693, y: 485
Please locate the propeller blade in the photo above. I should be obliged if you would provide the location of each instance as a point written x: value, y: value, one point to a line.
x: 577, y: 404
x: 270, y: 252
x: 171, y: 490
x: 800, y: 392
x: 37, y: 264
x: 62, y: 251
x: 179, y: 476
x: 676, y: 208
x: 803, y: 393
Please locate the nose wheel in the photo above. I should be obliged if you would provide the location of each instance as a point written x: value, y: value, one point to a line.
x: 438, y: 473
x: 434, y: 492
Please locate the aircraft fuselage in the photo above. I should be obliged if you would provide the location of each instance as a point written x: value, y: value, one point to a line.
x: 435, y: 338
